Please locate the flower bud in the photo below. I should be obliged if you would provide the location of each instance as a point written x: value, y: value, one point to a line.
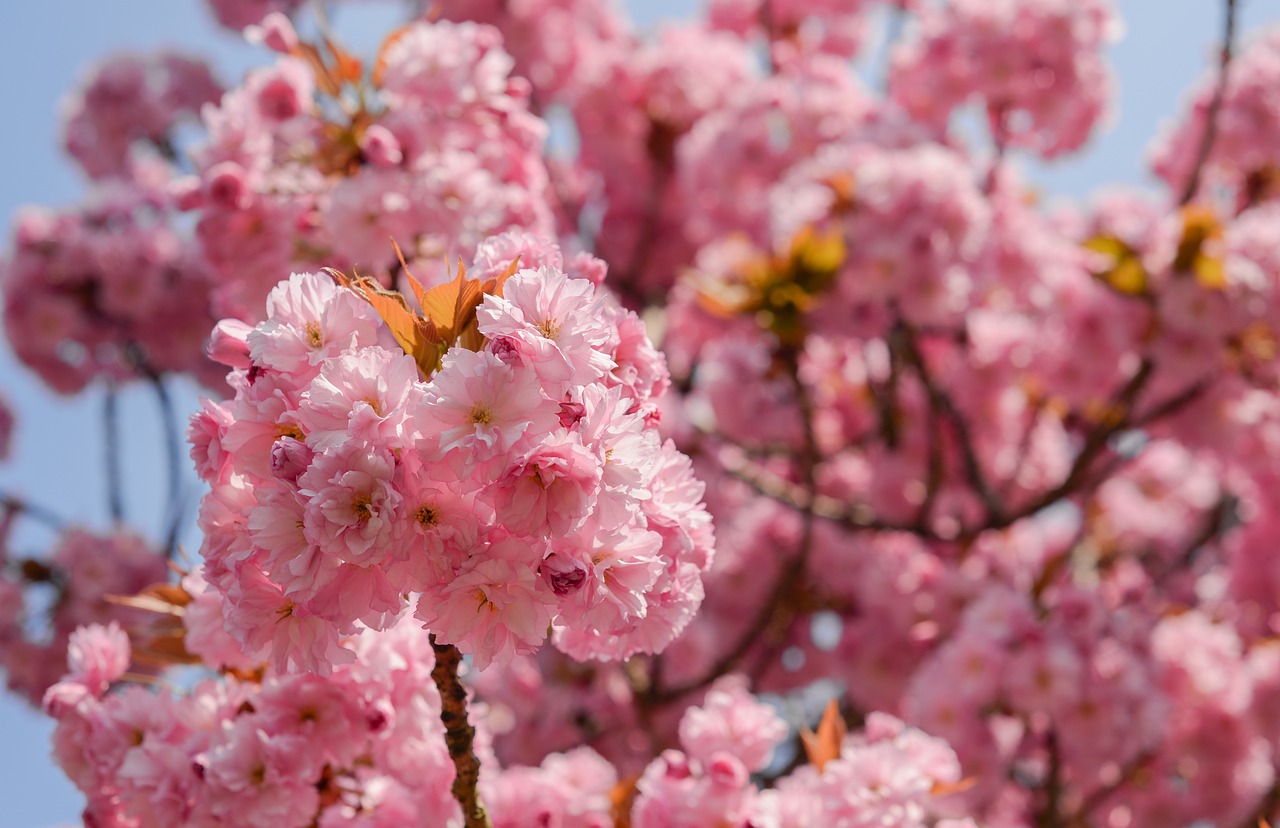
x: 563, y: 574
x: 571, y: 413
x: 380, y: 147
x: 225, y: 186
x: 276, y: 32
x: 228, y: 344
x: 290, y: 458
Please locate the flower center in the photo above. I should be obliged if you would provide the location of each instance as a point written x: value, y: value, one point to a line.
x: 314, y: 338
x: 426, y: 515
x: 480, y: 414
x: 549, y: 328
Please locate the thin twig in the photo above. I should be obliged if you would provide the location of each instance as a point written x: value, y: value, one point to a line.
x: 1051, y: 816
x: 1210, y: 134
x: 18, y: 506
x: 1100, y: 795
x: 459, y: 735
x: 853, y: 517
x: 173, y: 448
x: 942, y: 403
x: 778, y: 611
x: 1094, y: 444
x: 111, y: 452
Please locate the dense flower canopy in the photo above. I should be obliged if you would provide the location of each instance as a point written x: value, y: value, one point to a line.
x: 606, y: 430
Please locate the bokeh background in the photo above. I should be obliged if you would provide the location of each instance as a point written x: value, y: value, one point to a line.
x: 57, y: 459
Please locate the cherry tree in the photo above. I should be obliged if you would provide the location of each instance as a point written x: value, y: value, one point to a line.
x: 609, y: 430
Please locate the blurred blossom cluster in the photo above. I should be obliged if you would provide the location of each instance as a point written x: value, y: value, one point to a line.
x: 997, y: 480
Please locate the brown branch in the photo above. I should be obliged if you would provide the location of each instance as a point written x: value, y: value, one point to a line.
x: 12, y: 504
x: 855, y: 518
x: 459, y: 735
x: 941, y: 403
x: 111, y: 452
x: 1266, y: 809
x: 1099, y: 795
x: 1095, y: 443
x: 779, y: 611
x: 1051, y: 816
x: 1215, y: 106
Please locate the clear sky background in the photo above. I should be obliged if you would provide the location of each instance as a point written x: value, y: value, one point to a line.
x: 57, y: 459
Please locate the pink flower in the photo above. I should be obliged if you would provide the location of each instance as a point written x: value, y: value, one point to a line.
x: 620, y: 566
x: 556, y: 323
x: 438, y: 522
x: 495, y: 608
x: 309, y: 319
x: 351, y: 503
x: 98, y: 656
x: 482, y: 407
x: 733, y: 721
x: 368, y: 394
x: 549, y: 489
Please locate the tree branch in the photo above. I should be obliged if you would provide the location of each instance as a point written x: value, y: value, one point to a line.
x: 778, y: 610
x: 459, y: 735
x: 111, y: 452
x: 1210, y: 134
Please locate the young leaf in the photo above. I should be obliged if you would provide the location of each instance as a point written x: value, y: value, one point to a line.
x: 452, y: 305
x: 348, y: 67
x: 824, y: 745
x: 420, y: 338
x: 380, y: 62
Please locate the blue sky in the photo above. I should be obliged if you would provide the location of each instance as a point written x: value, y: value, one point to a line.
x: 45, y: 47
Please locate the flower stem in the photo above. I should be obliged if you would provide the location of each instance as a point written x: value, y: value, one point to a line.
x: 459, y: 735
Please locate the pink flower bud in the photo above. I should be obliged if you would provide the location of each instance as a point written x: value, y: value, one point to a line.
x: 380, y: 147
x: 290, y: 458
x: 276, y: 32
x: 225, y: 186
x: 677, y: 765
x: 228, y: 345
x: 187, y: 194
x: 506, y: 349
x: 563, y: 574
x: 571, y: 413
x: 727, y: 771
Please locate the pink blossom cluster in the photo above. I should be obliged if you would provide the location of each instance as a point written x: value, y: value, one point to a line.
x: 106, y: 289
x: 441, y: 153
x: 836, y: 27
x: 1005, y: 474
x: 43, y: 602
x: 364, y: 747
x: 361, y: 747
x: 240, y: 14
x: 1036, y: 68
x: 1243, y: 157
x: 521, y: 486
x: 133, y: 102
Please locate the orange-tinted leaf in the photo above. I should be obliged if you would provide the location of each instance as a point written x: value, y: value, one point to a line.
x: 324, y: 77
x: 496, y: 284
x: 1126, y: 273
x: 451, y: 305
x: 347, y: 66
x: 163, y: 651
x: 621, y: 798
x: 823, y: 745
x: 380, y: 62
x: 419, y: 338
x: 162, y: 599
x: 944, y: 788
x: 418, y: 290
